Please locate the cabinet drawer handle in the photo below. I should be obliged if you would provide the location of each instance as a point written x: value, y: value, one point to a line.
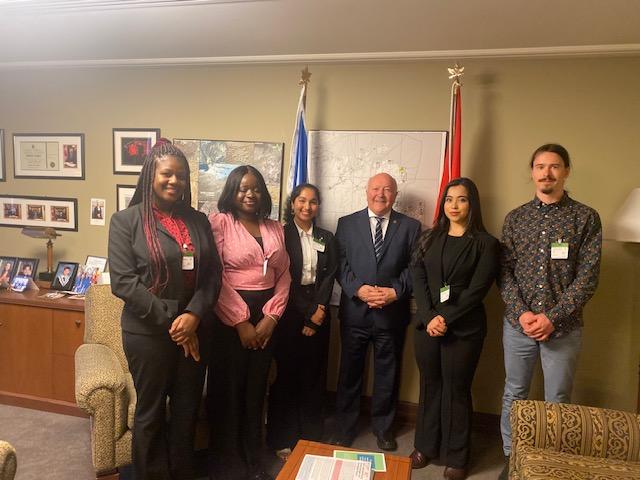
x: 78, y: 322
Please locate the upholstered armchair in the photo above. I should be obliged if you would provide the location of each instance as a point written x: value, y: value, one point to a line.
x: 104, y: 387
x: 8, y: 462
x: 563, y: 441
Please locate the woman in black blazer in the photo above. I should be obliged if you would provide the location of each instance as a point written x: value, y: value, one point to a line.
x: 296, y: 398
x: 165, y: 267
x: 453, y: 266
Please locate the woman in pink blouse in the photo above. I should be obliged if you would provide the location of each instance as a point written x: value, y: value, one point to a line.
x: 254, y: 294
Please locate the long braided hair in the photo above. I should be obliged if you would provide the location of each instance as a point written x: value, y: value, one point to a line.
x: 144, y: 194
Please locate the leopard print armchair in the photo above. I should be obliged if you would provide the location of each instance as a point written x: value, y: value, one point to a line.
x: 8, y: 462
x: 573, y: 442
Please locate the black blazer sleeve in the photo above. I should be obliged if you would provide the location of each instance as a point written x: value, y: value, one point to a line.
x: 483, y: 277
x: 126, y: 282
x: 324, y: 287
x: 420, y: 277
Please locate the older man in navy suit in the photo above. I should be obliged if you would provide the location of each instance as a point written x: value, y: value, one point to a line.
x: 375, y: 248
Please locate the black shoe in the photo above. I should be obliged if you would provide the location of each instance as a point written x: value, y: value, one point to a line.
x: 504, y: 474
x: 418, y: 459
x: 386, y: 442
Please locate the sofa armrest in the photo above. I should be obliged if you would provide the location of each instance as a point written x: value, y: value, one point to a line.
x: 576, y: 429
x: 8, y: 461
x: 101, y: 392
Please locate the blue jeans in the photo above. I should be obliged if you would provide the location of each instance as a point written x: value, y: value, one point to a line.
x: 559, y: 357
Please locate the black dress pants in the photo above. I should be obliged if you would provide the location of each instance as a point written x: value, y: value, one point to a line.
x: 296, y: 398
x: 164, y: 449
x: 447, y: 366
x: 236, y: 388
x: 387, y: 360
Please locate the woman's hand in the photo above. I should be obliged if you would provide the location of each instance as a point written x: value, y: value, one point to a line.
x: 184, y: 326
x: 248, y: 336
x: 318, y: 318
x: 191, y: 346
x: 437, y: 327
x: 264, y: 329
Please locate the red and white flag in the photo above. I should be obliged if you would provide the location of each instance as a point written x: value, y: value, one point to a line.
x: 451, y: 164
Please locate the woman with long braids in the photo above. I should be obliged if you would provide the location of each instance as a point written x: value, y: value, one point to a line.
x: 255, y: 289
x: 165, y: 266
x: 453, y: 266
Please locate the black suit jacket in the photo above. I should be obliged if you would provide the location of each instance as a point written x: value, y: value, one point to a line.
x: 148, y: 313
x: 358, y: 266
x: 470, y: 277
x: 325, y: 270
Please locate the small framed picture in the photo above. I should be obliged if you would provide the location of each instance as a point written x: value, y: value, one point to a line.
x: 64, y: 276
x: 27, y: 267
x: 131, y: 146
x: 31, y: 211
x: 124, y: 194
x: 96, y: 262
x: 7, y: 269
x: 97, y: 209
x: 48, y: 155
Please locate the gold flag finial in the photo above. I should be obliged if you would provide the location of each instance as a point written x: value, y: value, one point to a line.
x: 305, y: 77
x: 456, y: 73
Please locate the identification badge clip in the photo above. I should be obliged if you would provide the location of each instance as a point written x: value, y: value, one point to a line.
x: 559, y: 250
x: 188, y: 260
x: 264, y: 267
x: 445, y: 292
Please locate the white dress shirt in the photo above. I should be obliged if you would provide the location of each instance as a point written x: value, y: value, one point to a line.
x: 309, y: 256
x: 373, y: 222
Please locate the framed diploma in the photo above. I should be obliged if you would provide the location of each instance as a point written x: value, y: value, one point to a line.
x: 49, y: 155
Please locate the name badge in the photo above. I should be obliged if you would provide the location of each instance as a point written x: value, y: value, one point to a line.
x: 444, y: 293
x: 188, y: 261
x: 559, y: 250
x: 317, y: 246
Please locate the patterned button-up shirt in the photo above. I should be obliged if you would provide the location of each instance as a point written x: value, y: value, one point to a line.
x: 530, y: 280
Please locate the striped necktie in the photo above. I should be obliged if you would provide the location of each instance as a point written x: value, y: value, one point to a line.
x: 378, y: 240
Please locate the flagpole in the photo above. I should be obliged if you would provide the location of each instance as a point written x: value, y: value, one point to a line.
x: 455, y: 74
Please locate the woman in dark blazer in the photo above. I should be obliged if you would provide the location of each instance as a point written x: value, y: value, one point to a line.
x: 165, y: 267
x: 453, y: 266
x: 296, y: 399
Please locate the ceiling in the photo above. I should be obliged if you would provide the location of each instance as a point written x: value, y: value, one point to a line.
x: 129, y: 32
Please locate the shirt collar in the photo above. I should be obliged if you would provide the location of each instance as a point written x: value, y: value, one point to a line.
x: 536, y: 202
x: 386, y: 215
x: 302, y: 232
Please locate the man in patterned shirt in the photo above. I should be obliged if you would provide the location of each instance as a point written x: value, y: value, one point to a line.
x: 550, y: 266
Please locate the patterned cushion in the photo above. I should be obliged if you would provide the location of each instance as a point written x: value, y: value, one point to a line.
x: 556, y: 440
x: 8, y: 462
x: 538, y: 463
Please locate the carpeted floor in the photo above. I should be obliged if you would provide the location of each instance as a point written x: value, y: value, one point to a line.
x: 56, y: 447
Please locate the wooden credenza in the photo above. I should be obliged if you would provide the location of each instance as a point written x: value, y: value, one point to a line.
x: 38, y: 340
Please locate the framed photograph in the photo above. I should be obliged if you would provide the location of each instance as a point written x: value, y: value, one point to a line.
x: 48, y: 155
x: 2, y: 164
x: 27, y: 267
x: 131, y: 146
x: 28, y: 211
x: 7, y: 269
x: 96, y: 262
x: 64, y: 276
x: 124, y: 194
x: 97, y: 211
x: 85, y: 277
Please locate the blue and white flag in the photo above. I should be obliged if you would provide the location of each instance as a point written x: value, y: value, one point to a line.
x: 298, y: 168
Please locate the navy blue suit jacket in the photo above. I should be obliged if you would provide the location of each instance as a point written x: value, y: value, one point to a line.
x: 358, y: 266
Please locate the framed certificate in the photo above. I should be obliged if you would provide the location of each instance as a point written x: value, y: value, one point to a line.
x: 49, y: 155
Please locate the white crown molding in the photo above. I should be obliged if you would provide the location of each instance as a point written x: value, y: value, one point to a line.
x: 632, y: 49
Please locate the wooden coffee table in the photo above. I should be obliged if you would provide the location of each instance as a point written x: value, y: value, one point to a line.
x: 398, y: 468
